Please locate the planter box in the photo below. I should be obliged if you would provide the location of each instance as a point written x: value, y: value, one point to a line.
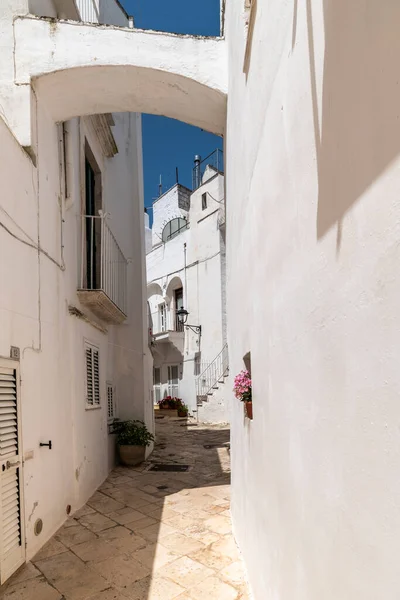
x: 131, y: 455
x: 167, y: 412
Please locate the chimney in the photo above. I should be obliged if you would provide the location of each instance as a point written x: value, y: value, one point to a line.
x: 131, y: 22
x: 196, y: 172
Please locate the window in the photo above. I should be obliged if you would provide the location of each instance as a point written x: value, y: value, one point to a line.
x: 173, y: 380
x: 92, y: 375
x: 204, y: 201
x: 174, y: 228
x: 178, y: 304
x: 111, y: 403
x: 197, y: 365
x: 157, y: 383
x: 162, y: 317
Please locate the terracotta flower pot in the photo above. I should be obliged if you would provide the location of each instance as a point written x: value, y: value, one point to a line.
x: 182, y: 414
x: 132, y: 455
x: 248, y: 407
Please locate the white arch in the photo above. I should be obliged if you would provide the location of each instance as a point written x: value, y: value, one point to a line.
x: 80, y: 69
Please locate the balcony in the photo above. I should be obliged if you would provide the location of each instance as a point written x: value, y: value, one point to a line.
x: 103, y: 282
x: 165, y: 329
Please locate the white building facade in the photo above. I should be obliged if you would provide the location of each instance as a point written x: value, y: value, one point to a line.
x: 186, y: 270
x: 73, y: 335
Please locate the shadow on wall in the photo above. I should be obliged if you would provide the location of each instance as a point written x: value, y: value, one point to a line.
x: 358, y: 133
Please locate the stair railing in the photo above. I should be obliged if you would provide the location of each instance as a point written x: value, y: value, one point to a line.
x: 213, y: 373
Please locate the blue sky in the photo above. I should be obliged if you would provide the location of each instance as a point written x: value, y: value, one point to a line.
x: 167, y: 143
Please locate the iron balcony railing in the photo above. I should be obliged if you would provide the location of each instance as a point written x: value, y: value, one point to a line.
x: 213, y: 373
x: 215, y: 161
x: 89, y: 10
x: 104, y: 266
x: 162, y: 322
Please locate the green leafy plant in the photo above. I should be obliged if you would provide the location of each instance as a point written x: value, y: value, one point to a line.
x: 183, y: 410
x: 132, y: 433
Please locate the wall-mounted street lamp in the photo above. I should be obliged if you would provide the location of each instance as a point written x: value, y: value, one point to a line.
x: 182, y: 315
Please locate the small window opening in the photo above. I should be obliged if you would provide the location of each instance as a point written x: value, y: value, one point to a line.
x: 204, y: 201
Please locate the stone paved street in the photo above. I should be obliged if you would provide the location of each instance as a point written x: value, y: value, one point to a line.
x: 147, y: 535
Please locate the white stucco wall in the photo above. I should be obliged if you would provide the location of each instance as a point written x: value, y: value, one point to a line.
x: 192, y: 260
x: 313, y: 219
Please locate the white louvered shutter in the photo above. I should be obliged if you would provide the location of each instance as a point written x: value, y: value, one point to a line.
x: 8, y: 413
x: 12, y: 551
x: 92, y: 375
x: 111, y: 403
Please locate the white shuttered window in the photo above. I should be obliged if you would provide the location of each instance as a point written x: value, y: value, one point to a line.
x: 111, y: 402
x: 92, y: 375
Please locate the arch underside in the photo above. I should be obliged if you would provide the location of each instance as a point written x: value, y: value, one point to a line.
x: 100, y: 89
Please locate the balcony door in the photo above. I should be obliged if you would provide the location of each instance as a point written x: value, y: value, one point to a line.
x: 178, y: 304
x: 173, y: 380
x: 157, y: 384
x: 92, y: 221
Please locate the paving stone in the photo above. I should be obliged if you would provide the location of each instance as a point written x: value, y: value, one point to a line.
x: 122, y: 571
x: 126, y: 515
x: 26, y: 572
x: 182, y: 543
x: 71, y: 536
x: 123, y: 540
x: 52, y: 548
x: 186, y: 572
x: 155, y: 556
x: 104, y: 504
x: 97, y: 522
x: 213, y: 587
x: 219, y: 524
x: 37, y: 589
x: 157, y: 531
x: 141, y: 523
x: 109, y: 594
x: 95, y: 550
x: 154, y: 588
x: 68, y: 574
x: 82, y: 512
x: 212, y: 559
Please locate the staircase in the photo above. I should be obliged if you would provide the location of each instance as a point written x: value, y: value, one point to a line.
x: 212, y: 377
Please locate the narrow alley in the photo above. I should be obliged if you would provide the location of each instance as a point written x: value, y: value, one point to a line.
x: 148, y: 534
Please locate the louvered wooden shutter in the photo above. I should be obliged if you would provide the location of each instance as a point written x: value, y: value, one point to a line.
x: 12, y: 551
x: 10, y: 506
x: 8, y: 413
x: 92, y: 375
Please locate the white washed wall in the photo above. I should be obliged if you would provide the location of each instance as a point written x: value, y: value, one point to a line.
x: 313, y: 221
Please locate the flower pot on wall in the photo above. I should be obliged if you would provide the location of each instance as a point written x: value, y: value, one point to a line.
x: 131, y: 455
x: 248, y: 407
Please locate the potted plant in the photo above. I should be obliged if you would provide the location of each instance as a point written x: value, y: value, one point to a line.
x: 183, y: 410
x: 132, y: 439
x: 242, y: 389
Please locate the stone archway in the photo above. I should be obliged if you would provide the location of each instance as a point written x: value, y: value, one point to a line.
x: 79, y: 69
